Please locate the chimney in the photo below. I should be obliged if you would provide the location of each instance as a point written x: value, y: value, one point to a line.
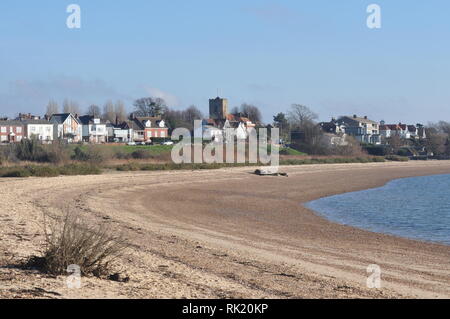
x: 365, y: 117
x: 354, y: 116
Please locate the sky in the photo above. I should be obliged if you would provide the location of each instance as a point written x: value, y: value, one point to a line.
x: 268, y: 53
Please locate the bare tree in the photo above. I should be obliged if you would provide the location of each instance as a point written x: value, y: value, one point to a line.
x: 120, y: 110
x: 442, y: 127
x: 300, y: 115
x: 395, y: 142
x: 302, y: 121
x: 235, y: 110
x: 109, y: 113
x: 436, y: 142
x: 192, y: 113
x: 149, y: 106
x: 70, y: 106
x: 94, y: 110
x: 184, y: 118
x: 52, y: 108
x: 252, y: 112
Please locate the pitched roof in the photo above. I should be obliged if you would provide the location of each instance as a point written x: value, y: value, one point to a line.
x: 138, y: 123
x: 88, y: 119
x: 11, y: 123
x: 359, y: 119
x: 43, y: 122
x: 237, y: 118
x: 60, y: 118
x: 125, y: 125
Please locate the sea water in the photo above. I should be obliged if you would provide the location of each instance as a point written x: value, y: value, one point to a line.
x: 416, y: 208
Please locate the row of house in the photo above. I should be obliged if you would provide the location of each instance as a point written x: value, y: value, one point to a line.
x: 221, y: 124
x: 74, y: 129
x: 367, y: 131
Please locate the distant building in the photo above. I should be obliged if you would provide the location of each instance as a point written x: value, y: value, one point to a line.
x: 332, y: 127
x: 146, y: 128
x: 123, y: 132
x: 361, y: 128
x: 93, y: 129
x: 402, y: 130
x: 11, y: 131
x: 221, y: 124
x: 218, y: 108
x: 67, y: 127
x: 29, y: 116
x: 39, y: 129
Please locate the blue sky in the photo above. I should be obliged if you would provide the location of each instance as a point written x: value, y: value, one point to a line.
x: 270, y: 53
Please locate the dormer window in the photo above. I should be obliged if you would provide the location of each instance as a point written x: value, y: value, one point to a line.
x: 148, y: 123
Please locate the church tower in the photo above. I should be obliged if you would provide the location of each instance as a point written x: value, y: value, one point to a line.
x: 218, y: 108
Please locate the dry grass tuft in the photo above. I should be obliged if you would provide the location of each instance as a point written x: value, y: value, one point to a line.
x: 71, y: 241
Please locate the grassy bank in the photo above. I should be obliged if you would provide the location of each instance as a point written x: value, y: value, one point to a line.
x: 289, y: 162
x: 49, y: 171
x: 32, y: 159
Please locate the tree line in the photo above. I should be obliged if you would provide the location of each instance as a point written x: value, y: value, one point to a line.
x: 150, y: 107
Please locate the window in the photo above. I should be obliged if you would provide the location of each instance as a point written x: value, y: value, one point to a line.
x: 149, y: 134
x: 19, y: 129
x: 163, y: 134
x: 3, y: 129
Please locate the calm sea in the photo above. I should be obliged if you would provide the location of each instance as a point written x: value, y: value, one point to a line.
x: 417, y: 208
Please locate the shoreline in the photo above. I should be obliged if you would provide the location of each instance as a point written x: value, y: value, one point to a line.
x: 323, y: 215
x: 230, y: 234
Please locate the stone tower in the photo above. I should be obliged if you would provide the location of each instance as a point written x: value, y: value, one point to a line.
x: 218, y: 108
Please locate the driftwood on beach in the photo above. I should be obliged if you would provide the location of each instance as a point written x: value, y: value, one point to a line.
x: 268, y: 172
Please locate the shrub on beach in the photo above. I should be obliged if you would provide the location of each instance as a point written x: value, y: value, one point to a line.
x: 141, y: 154
x: 396, y: 158
x: 94, y: 154
x: 72, y: 241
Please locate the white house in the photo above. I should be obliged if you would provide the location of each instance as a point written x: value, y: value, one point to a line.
x: 66, y: 126
x: 209, y: 131
x: 239, y: 129
x: 93, y: 130
x: 361, y: 128
x: 39, y: 129
x: 123, y: 132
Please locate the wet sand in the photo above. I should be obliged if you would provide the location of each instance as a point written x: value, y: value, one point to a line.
x: 225, y: 234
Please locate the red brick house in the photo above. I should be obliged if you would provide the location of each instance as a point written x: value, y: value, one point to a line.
x: 11, y: 131
x: 147, y: 128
